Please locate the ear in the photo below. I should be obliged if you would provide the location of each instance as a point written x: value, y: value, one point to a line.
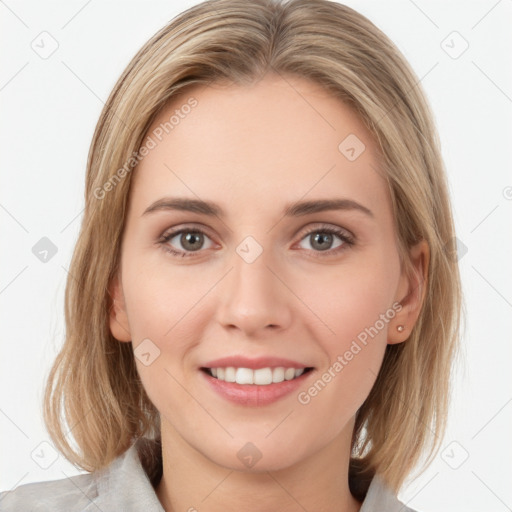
x: 411, y: 292
x: 118, y: 318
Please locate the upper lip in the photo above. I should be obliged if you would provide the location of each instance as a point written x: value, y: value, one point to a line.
x: 253, y: 363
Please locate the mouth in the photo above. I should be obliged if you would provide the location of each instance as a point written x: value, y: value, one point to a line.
x: 260, y: 377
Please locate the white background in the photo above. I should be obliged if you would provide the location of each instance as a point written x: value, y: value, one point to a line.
x: 49, y: 111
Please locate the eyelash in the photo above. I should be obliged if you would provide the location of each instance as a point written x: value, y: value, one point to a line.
x: 347, y: 240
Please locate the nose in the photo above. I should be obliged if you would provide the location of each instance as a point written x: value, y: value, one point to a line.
x: 254, y: 299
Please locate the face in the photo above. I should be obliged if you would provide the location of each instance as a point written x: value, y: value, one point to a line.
x: 257, y: 278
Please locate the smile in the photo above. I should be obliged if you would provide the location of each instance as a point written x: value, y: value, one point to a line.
x: 260, y: 377
x: 255, y: 387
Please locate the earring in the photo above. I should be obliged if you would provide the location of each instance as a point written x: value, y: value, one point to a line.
x: 400, y: 328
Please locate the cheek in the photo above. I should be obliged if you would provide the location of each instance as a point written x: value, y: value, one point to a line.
x: 355, y: 309
x: 163, y: 320
x: 160, y: 302
x: 351, y: 304
x: 166, y: 315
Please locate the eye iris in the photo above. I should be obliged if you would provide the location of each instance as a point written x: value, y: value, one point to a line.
x: 189, y: 241
x: 324, y: 240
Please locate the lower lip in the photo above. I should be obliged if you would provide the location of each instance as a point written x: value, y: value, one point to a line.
x: 253, y: 395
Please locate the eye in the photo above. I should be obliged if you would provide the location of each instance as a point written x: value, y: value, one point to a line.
x: 184, y: 242
x: 327, y: 239
x: 322, y: 240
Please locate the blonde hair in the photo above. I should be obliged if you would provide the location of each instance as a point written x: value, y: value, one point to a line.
x: 94, y: 387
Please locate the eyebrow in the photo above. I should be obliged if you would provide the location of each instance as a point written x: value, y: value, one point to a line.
x: 296, y: 209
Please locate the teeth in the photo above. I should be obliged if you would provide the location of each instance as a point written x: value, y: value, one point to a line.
x: 278, y: 374
x: 230, y: 374
x: 244, y: 376
x: 261, y: 377
x: 289, y: 373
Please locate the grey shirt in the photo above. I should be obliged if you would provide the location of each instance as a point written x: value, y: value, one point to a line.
x: 125, y: 485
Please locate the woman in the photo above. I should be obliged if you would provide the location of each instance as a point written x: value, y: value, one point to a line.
x: 263, y: 299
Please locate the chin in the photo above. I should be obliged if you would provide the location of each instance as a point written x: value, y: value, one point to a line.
x: 258, y: 456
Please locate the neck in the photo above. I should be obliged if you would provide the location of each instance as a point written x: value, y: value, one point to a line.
x: 192, y: 482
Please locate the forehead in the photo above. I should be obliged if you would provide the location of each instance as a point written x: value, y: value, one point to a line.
x: 276, y: 140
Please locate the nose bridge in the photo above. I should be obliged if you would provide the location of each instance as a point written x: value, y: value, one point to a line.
x: 253, y: 298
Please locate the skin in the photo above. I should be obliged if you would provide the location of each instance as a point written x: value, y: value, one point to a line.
x: 252, y: 150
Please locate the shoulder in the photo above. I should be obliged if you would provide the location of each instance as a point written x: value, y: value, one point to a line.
x: 380, y: 498
x: 125, y: 485
x: 74, y: 493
